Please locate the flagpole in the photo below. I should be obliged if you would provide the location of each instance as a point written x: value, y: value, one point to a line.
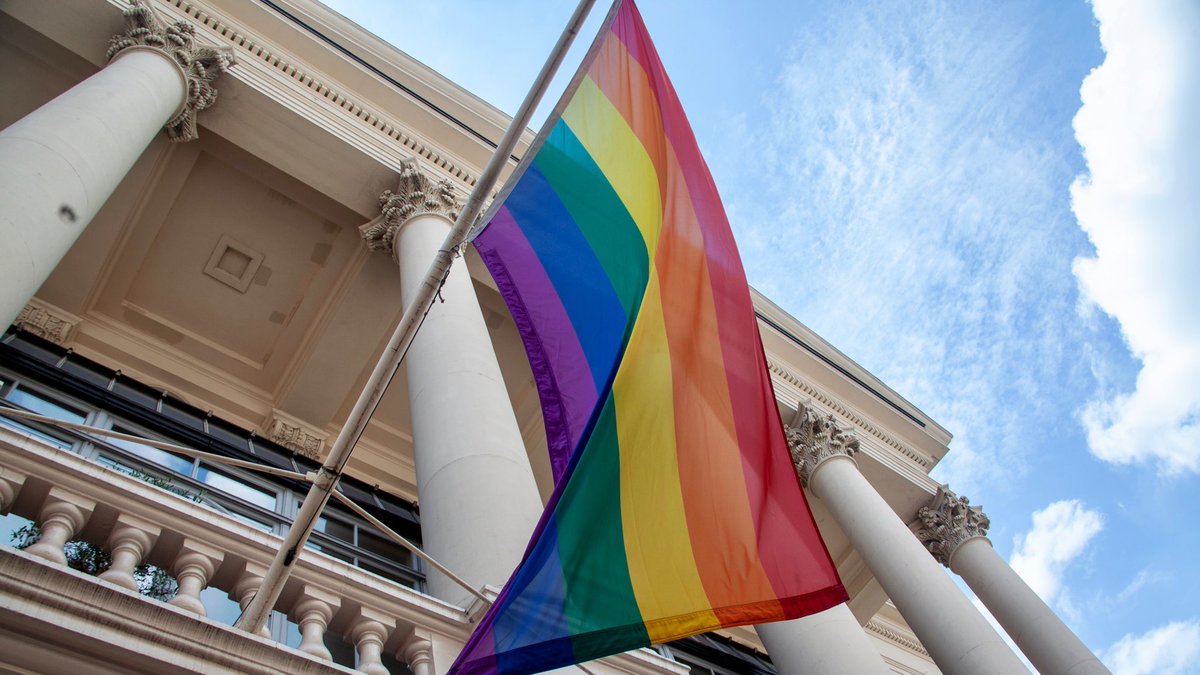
x: 256, y: 613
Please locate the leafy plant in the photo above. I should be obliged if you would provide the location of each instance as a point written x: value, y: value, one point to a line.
x: 152, y: 581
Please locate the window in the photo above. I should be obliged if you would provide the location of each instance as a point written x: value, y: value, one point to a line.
x: 35, y: 402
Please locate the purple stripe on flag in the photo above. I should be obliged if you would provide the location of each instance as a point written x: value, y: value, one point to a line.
x: 560, y: 368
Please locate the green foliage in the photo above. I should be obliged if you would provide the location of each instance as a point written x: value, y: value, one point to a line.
x: 86, y: 557
x: 152, y: 581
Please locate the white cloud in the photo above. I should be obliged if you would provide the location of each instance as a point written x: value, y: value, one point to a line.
x: 906, y: 198
x: 1173, y: 649
x: 1140, y: 206
x: 1059, y: 535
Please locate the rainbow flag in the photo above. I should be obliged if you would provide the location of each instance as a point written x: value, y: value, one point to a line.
x: 676, y: 510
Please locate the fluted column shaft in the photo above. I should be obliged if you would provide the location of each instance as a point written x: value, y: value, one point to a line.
x: 1045, y: 640
x: 957, y: 636
x: 479, y: 501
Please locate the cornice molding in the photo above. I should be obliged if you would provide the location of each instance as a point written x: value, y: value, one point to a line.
x: 807, y: 390
x: 896, y: 637
x: 335, y: 99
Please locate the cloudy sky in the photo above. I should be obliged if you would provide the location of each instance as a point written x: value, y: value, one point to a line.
x: 994, y: 207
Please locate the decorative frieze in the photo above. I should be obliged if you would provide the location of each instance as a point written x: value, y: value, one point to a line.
x: 947, y: 522
x: 201, y: 64
x: 251, y: 49
x: 807, y: 389
x: 47, y: 322
x: 813, y: 438
x: 296, y: 436
x: 909, y: 643
x: 416, y: 194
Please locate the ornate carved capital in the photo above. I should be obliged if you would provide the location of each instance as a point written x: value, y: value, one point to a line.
x: 813, y: 439
x: 947, y: 522
x: 46, y: 321
x: 416, y: 194
x: 294, y: 435
x: 202, y: 64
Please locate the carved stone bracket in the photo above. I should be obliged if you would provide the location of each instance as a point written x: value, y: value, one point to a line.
x: 201, y: 64
x: 416, y: 194
x: 47, y: 322
x: 296, y: 436
x: 947, y: 522
x: 813, y: 439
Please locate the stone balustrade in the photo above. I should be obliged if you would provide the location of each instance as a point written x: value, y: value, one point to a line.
x: 71, y: 498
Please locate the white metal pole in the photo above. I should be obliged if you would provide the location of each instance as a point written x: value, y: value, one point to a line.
x: 259, y: 609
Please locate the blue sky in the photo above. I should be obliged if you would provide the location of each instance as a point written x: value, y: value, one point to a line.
x: 995, y: 208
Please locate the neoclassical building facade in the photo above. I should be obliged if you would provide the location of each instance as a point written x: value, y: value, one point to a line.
x: 213, y: 214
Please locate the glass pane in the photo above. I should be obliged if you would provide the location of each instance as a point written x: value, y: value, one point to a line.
x: 176, y: 463
x: 384, y: 547
x: 342, y: 651
x: 336, y: 529
x: 44, y: 406
x: 331, y: 551
x: 10, y: 526
x: 393, y: 575
x: 292, y: 639
x: 393, y: 665
x: 220, y: 606
x: 236, y: 487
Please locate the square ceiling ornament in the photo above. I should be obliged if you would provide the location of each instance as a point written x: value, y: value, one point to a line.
x: 233, y: 263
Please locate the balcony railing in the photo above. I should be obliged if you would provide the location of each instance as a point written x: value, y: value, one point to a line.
x: 339, y: 615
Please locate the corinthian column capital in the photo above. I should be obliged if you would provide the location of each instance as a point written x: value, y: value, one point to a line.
x: 416, y: 194
x: 947, y: 522
x: 813, y: 438
x: 200, y: 64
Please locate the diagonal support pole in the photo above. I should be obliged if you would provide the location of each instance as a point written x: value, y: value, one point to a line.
x: 256, y: 613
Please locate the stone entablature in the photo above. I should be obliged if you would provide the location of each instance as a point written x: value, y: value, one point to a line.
x: 949, y: 521
x: 349, y: 107
x: 804, y: 389
x: 200, y: 64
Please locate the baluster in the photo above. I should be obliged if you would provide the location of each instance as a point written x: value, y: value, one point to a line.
x: 10, y: 485
x: 193, y: 568
x: 313, y: 611
x: 245, y: 589
x: 62, y: 516
x: 368, y: 634
x: 130, y: 541
x: 417, y: 652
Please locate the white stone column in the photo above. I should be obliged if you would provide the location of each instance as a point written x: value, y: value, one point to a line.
x: 60, y: 163
x: 826, y: 642
x: 956, y: 534
x: 479, y: 501
x: 957, y: 636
